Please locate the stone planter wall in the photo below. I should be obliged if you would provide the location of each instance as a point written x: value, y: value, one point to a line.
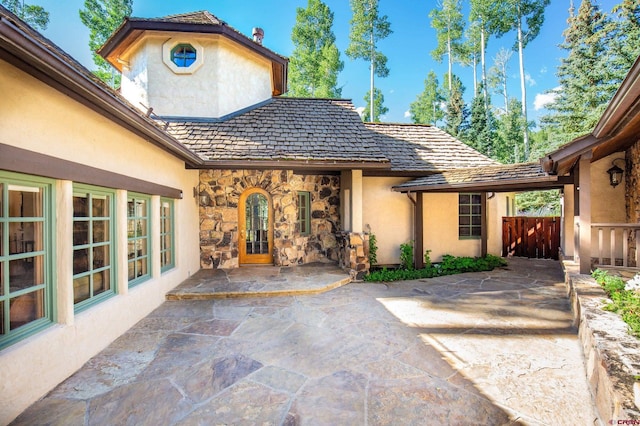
x: 219, y: 219
x: 354, y: 253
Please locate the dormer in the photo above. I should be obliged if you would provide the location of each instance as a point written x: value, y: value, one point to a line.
x: 193, y: 65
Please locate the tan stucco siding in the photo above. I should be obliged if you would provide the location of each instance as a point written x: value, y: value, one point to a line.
x: 441, y: 226
x: 567, y: 242
x: 230, y: 78
x: 35, y: 117
x: 389, y: 214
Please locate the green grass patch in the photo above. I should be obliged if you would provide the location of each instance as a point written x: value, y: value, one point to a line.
x: 450, y: 265
x: 625, y: 303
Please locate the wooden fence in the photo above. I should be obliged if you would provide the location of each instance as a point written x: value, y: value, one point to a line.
x: 533, y: 237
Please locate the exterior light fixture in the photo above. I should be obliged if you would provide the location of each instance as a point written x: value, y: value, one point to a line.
x: 615, y: 173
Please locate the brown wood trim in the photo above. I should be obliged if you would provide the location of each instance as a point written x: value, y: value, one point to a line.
x: 484, y: 232
x: 29, y: 162
x: 419, y: 230
x: 315, y: 165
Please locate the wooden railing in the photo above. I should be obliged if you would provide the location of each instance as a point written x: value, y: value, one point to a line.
x: 610, y: 244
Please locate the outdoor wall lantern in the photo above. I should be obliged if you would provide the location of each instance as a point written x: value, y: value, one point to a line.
x: 615, y: 173
x: 202, y: 198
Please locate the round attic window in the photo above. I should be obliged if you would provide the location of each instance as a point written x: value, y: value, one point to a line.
x: 183, y: 55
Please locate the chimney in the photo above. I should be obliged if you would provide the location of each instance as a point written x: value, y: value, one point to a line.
x: 258, y: 35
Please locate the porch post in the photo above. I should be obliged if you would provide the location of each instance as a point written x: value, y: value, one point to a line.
x: 584, y: 192
x: 419, y: 231
x: 356, y: 201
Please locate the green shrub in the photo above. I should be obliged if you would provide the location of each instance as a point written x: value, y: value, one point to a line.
x: 450, y: 265
x: 373, y: 249
x: 625, y: 303
x: 406, y: 255
x: 427, y: 259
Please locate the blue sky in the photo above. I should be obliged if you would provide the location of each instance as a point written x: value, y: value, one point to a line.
x: 408, y: 48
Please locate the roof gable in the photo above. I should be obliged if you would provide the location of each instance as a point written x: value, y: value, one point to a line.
x: 201, y: 22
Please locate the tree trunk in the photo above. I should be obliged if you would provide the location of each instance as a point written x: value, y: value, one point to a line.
x: 484, y: 70
x: 450, y: 59
x: 475, y: 73
x: 373, y: 70
x: 523, y: 88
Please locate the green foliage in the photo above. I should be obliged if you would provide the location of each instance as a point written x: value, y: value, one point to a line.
x: 427, y: 259
x: 315, y: 62
x: 378, y: 106
x: 103, y: 17
x: 481, y: 134
x: 509, y: 144
x: 448, y: 22
x: 36, y: 16
x: 456, y: 112
x: 426, y: 109
x: 584, y: 75
x: 373, y: 249
x: 625, y: 303
x: 406, y: 255
x: 450, y: 265
x: 367, y: 29
x: 499, y: 75
x: 539, y: 203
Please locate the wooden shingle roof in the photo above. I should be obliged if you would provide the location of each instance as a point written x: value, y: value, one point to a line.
x: 284, y: 129
x: 502, y: 177
x: 424, y: 148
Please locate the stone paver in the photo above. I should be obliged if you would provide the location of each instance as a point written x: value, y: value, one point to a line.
x: 482, y: 348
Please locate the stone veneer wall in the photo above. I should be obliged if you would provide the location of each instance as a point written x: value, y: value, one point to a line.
x: 632, y: 196
x: 219, y: 219
x: 354, y: 253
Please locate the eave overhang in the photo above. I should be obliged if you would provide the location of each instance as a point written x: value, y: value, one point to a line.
x: 133, y: 28
x: 513, y: 185
x: 24, y: 50
x: 306, y: 165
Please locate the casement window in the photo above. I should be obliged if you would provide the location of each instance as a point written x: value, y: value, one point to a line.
x: 26, y: 256
x: 167, y: 240
x: 93, y: 245
x: 470, y: 215
x: 304, y: 217
x: 138, y: 240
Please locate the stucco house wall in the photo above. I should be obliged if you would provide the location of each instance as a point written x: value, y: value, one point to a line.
x: 389, y: 216
x: 441, y: 226
x: 229, y: 79
x: 35, y: 117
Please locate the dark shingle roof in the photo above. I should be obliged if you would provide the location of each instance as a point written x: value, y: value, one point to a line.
x: 424, y: 148
x: 502, y: 175
x: 283, y: 129
x: 201, y: 17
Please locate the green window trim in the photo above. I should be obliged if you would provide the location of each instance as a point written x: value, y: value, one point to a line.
x: 26, y: 309
x: 304, y: 212
x: 94, y: 268
x: 167, y: 235
x: 469, y: 216
x: 138, y: 238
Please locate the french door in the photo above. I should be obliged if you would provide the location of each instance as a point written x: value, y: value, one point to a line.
x: 256, y: 227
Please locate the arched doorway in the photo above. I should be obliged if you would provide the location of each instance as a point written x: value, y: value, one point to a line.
x: 255, y: 219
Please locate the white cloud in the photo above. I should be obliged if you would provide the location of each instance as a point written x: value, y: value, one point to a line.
x: 407, y: 114
x: 543, y: 70
x: 544, y: 99
x: 392, y: 91
x: 360, y: 111
x: 530, y: 81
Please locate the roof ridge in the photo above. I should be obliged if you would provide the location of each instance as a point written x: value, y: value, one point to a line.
x: 379, y: 123
x: 314, y: 99
x: 210, y: 16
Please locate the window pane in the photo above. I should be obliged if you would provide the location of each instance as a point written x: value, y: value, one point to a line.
x: 25, y: 273
x: 476, y: 220
x: 141, y: 247
x: 166, y: 242
x: 80, y: 261
x: 131, y: 249
x: 476, y: 232
x: 100, y: 282
x: 100, y: 231
x: 26, y: 308
x: 100, y: 257
x: 465, y: 199
x: 464, y: 209
x: 464, y: 231
x: 100, y: 206
x: 80, y: 233
x: 81, y: 206
x: 465, y: 220
x: 2, y: 318
x: 476, y: 198
x: 475, y: 209
x: 1, y: 281
x: 141, y: 228
x: 81, y: 289
x: 25, y: 201
x: 141, y: 208
x: 132, y: 270
x: 2, y: 248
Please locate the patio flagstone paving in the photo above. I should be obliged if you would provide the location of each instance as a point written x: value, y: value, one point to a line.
x: 482, y: 348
